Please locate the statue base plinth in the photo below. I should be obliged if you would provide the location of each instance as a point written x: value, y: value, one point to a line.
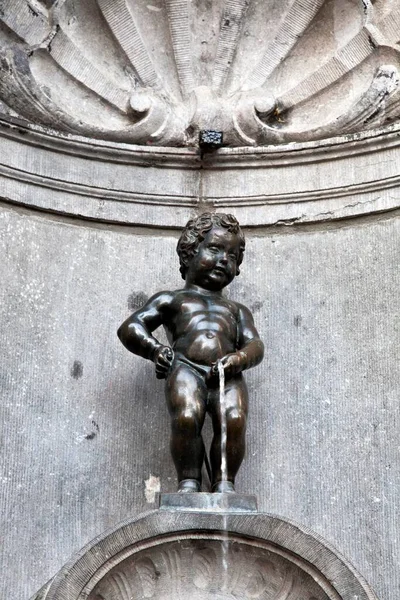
x: 206, y: 502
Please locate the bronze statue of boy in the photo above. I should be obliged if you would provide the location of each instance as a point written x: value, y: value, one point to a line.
x: 203, y: 327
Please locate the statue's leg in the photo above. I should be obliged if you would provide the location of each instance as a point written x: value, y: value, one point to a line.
x: 236, y: 401
x: 186, y: 395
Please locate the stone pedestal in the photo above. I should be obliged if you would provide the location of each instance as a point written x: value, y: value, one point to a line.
x: 203, y: 502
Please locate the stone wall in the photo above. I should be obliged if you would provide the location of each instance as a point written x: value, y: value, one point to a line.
x: 85, y: 424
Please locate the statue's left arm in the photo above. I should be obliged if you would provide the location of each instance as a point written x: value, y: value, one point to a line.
x: 250, y: 347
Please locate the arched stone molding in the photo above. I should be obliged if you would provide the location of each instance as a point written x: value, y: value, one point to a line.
x: 152, y: 186
x: 179, y: 554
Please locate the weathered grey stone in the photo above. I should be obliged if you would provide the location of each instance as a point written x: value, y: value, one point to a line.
x: 263, y: 72
x: 323, y: 425
x: 207, y: 555
x: 117, y: 183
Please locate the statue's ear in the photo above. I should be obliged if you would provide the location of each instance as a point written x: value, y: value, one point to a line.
x: 182, y: 270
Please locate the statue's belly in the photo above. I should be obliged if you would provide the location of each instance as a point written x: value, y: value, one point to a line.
x: 204, y: 347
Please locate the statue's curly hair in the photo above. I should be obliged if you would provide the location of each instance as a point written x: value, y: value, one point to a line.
x: 197, y: 229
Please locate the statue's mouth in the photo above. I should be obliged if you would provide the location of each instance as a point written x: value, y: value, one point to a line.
x: 219, y: 270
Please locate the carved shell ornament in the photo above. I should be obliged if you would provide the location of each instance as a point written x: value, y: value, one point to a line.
x: 159, y: 71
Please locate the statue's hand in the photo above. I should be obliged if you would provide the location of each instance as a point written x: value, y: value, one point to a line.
x: 232, y: 366
x: 163, y: 359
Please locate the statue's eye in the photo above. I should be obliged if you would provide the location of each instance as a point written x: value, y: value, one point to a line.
x: 213, y: 248
x: 233, y: 256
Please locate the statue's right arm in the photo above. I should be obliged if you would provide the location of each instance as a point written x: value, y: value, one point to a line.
x: 136, y: 332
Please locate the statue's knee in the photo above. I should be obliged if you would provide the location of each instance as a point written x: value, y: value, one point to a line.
x: 187, y: 421
x: 236, y: 421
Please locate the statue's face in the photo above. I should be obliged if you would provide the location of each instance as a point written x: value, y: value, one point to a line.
x: 215, y: 263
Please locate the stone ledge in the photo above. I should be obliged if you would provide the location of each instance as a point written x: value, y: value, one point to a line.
x: 205, y: 502
x: 164, y: 187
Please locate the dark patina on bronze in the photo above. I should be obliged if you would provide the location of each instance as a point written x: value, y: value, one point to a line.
x: 203, y: 328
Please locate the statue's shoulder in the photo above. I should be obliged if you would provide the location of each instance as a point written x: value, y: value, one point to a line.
x: 242, y: 310
x: 169, y: 298
x: 162, y: 298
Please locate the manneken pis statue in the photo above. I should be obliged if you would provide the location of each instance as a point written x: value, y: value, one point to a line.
x: 202, y: 327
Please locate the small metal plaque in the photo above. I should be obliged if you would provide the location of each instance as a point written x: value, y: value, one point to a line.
x: 210, y: 140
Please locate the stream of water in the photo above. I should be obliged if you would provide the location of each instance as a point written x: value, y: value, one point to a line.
x: 221, y: 372
x: 224, y: 474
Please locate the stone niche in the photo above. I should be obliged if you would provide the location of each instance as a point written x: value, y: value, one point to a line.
x: 101, y: 105
x: 178, y: 554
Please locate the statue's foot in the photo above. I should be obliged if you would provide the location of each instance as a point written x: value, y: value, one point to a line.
x: 223, y: 487
x: 188, y: 486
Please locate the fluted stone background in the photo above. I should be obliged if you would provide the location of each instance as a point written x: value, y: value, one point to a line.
x: 85, y: 424
x: 261, y: 71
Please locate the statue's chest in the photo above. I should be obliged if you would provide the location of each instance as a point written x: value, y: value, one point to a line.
x: 205, y: 312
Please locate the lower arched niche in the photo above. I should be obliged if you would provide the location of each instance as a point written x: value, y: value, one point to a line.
x: 204, y: 566
x: 174, y: 554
